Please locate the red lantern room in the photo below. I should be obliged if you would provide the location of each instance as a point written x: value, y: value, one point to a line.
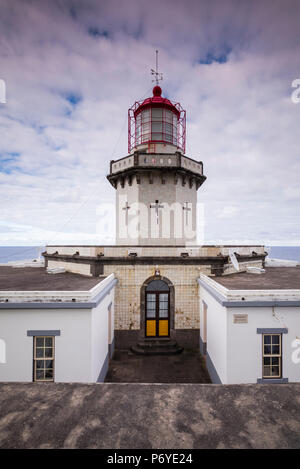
x: 156, y: 120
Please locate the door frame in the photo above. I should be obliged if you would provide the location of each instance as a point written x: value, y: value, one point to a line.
x: 142, y: 332
x: 157, y: 293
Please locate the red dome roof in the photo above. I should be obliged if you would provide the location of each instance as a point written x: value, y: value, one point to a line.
x: 157, y: 101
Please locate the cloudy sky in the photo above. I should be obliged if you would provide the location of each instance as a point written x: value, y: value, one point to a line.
x: 72, y: 69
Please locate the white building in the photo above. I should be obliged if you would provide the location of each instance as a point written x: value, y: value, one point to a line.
x: 55, y: 327
x: 250, y: 326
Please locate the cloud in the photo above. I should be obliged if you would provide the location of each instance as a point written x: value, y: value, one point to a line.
x: 73, y: 68
x: 228, y: 211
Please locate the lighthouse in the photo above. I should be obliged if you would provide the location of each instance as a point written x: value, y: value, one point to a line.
x: 156, y: 259
x: 156, y: 183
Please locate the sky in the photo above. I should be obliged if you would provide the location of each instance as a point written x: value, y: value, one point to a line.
x: 73, y: 68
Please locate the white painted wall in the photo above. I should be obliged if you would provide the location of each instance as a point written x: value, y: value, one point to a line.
x: 80, y: 350
x: 72, y: 347
x: 141, y: 218
x: 244, y: 357
x: 100, y: 335
x: 236, y: 349
x: 216, y: 332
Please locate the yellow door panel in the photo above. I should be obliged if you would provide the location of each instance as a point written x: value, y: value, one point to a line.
x: 163, y: 327
x: 151, y: 328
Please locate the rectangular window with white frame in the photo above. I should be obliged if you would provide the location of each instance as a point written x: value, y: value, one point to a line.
x: 272, y: 355
x: 43, y: 358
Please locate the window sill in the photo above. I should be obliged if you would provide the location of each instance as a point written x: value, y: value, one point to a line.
x: 272, y: 380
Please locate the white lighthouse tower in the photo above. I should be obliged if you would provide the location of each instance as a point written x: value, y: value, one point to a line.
x: 156, y: 183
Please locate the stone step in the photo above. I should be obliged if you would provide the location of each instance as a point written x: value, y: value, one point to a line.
x: 156, y: 343
x: 156, y: 347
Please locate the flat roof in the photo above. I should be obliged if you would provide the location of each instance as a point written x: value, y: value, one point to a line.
x: 275, y: 278
x: 37, y: 279
x: 104, y: 416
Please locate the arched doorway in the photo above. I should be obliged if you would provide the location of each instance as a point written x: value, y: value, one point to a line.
x: 157, y: 307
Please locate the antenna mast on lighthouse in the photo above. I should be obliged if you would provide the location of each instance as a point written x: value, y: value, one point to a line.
x: 158, y: 75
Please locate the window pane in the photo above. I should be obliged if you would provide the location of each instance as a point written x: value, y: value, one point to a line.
x: 48, y: 352
x: 169, y: 129
x: 163, y: 313
x: 40, y: 374
x: 169, y: 116
x: 275, y: 360
x: 39, y: 353
x: 49, y: 374
x: 151, y: 296
x: 157, y: 114
x: 275, y: 339
x: 156, y: 127
x: 49, y: 364
x: 163, y: 297
x: 157, y: 285
x: 151, y: 313
x: 267, y: 361
x: 275, y: 349
x: 267, y: 349
x: 146, y: 115
x: 156, y: 136
x: 39, y: 342
x: 146, y: 127
x: 48, y: 342
x: 267, y: 371
x: 275, y: 371
x: 267, y: 339
x: 40, y: 364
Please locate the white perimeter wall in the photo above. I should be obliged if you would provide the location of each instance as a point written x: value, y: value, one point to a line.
x: 216, y: 332
x: 100, y: 334
x: 236, y: 349
x: 244, y: 355
x: 80, y: 350
x: 72, y: 347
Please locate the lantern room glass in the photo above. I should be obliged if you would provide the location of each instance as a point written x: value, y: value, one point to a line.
x: 156, y: 125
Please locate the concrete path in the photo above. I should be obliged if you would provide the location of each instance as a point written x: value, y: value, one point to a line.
x: 154, y: 416
x: 186, y: 367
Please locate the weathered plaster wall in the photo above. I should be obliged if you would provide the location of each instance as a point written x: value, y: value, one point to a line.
x: 127, y: 296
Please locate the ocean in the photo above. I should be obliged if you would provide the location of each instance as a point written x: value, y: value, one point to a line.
x: 19, y: 253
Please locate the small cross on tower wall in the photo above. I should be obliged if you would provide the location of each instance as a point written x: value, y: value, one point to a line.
x: 127, y: 207
x: 157, y: 206
x: 187, y: 209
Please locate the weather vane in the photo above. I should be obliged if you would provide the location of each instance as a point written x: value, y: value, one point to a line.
x: 156, y: 73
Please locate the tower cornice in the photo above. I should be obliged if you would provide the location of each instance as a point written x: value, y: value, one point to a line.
x: 149, y: 163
